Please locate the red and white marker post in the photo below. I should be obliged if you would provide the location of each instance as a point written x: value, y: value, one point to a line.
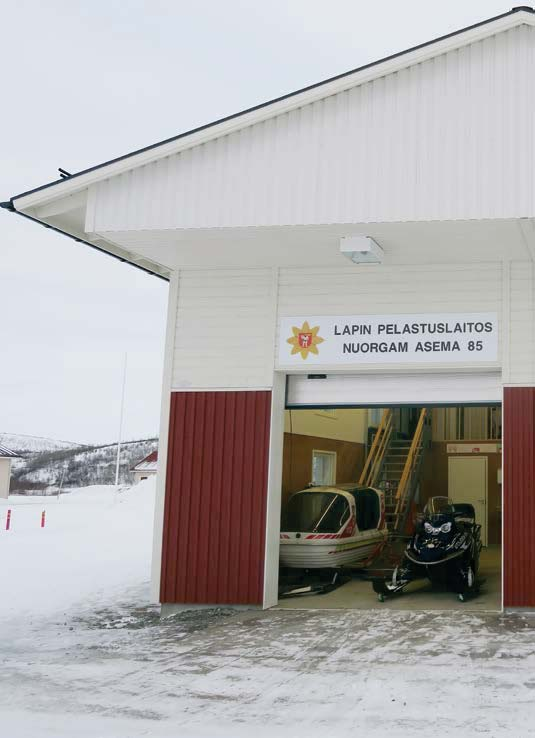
x: 43, y: 514
x: 8, y: 520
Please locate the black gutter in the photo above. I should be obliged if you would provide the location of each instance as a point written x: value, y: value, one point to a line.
x: 518, y: 9
x: 12, y: 209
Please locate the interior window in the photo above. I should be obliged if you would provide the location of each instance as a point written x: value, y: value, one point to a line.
x: 323, y: 467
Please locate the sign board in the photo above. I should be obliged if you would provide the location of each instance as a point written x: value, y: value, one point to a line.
x: 463, y: 338
x: 473, y: 448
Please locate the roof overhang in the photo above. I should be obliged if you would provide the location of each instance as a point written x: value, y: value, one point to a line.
x: 59, y: 204
x: 410, y: 242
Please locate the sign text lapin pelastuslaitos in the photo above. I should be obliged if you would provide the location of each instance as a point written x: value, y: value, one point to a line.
x: 330, y: 340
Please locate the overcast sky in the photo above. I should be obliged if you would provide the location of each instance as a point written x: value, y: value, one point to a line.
x: 83, y: 82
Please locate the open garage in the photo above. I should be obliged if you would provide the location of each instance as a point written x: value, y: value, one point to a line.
x: 411, y: 453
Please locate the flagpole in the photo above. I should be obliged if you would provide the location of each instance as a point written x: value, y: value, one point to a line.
x: 120, y: 424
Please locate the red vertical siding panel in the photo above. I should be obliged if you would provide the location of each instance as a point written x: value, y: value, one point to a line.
x: 518, y: 481
x: 207, y: 486
x: 236, y: 500
x: 223, y: 509
x: 258, y: 512
x: 197, y: 497
x: 216, y: 496
x: 211, y: 581
x: 245, y: 513
x: 184, y: 461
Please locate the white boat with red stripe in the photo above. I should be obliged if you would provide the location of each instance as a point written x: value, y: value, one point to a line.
x: 330, y: 527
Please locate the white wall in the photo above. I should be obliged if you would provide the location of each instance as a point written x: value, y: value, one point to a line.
x: 422, y: 288
x: 139, y: 475
x: 225, y: 325
x: 519, y: 312
x: 226, y: 320
x: 5, y: 476
x: 448, y: 138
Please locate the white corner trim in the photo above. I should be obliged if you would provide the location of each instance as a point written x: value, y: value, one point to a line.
x: 159, y: 503
x: 388, y: 66
x: 274, y: 492
x: 505, y: 322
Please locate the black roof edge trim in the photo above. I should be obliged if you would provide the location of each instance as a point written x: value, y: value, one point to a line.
x: 288, y: 95
x: 9, y: 206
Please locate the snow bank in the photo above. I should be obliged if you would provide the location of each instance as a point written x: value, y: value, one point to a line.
x: 96, y: 544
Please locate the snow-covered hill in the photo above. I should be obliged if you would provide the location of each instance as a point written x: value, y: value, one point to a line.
x: 25, y: 445
x: 46, y: 466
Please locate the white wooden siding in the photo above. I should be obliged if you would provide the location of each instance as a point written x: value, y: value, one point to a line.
x: 449, y: 138
x: 521, y: 345
x: 454, y: 288
x: 224, y: 329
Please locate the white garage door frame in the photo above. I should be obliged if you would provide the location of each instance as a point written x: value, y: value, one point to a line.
x: 347, y: 390
x: 390, y: 390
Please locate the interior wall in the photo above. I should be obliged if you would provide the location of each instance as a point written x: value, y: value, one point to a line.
x: 434, y: 482
x: 297, y: 461
x: 349, y: 424
x: 476, y: 425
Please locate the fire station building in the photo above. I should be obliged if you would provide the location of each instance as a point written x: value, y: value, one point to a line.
x: 363, y: 245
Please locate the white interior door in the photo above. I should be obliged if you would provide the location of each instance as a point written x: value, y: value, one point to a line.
x: 467, y: 482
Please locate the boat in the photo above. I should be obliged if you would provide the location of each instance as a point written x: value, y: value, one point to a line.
x: 328, y: 527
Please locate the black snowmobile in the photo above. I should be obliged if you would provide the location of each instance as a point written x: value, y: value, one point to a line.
x: 444, y: 548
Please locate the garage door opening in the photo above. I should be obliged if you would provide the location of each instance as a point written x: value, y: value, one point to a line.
x: 334, y: 458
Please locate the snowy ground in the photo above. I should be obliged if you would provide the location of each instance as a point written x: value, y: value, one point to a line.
x: 87, y: 656
x: 96, y: 543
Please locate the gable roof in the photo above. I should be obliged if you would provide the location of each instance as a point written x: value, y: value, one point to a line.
x: 149, y: 463
x: 74, y: 182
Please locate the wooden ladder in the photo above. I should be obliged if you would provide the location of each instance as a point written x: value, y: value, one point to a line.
x: 374, y: 461
x: 408, y: 481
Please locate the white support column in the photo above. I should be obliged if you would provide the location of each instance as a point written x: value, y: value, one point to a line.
x: 273, y: 512
x: 163, y: 440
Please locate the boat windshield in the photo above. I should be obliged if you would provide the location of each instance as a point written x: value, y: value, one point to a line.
x: 368, y: 508
x: 316, y: 512
x: 438, y: 506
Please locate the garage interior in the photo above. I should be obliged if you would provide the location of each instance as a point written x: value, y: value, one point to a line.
x: 456, y: 453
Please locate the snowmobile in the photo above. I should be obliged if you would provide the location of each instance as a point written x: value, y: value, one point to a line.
x: 445, y: 548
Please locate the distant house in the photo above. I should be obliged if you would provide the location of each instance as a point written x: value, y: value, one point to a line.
x: 146, y: 467
x: 5, y: 469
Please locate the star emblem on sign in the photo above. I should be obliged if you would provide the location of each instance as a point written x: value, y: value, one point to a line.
x: 305, y: 340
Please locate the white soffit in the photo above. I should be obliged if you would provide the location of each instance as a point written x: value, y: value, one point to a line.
x: 437, y: 242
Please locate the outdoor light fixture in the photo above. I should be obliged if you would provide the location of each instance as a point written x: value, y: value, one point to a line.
x: 361, y: 250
